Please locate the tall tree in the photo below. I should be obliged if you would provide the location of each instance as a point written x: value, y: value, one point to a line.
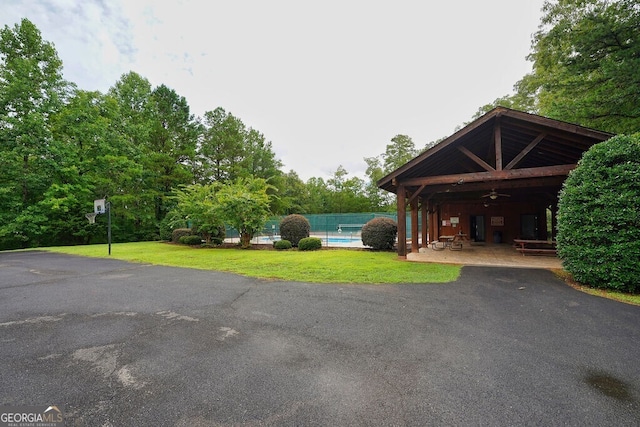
x: 347, y: 194
x: 133, y: 95
x: 336, y: 185
x: 31, y: 90
x: 170, y: 150
x: 586, y: 66
x: 586, y: 58
x: 222, y: 148
x: 94, y: 146
x: 134, y: 122
x: 397, y: 153
x: 260, y: 161
x: 400, y: 151
x: 259, y: 158
x: 97, y: 160
x: 380, y: 200
x: 293, y: 195
x: 356, y: 199
x: 319, y: 196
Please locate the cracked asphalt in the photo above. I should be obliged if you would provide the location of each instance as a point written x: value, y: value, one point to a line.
x: 120, y: 344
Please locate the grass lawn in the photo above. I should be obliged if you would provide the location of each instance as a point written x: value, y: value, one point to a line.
x: 324, y: 266
x: 604, y: 293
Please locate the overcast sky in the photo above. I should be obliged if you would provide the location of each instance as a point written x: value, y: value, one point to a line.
x: 327, y: 82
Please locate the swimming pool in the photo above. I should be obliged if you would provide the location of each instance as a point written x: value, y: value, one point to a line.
x: 351, y: 240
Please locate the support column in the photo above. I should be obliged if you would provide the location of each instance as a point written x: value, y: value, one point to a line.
x: 497, y: 139
x: 414, y: 225
x: 433, y: 221
x: 424, y: 224
x: 402, y: 221
x: 554, y: 221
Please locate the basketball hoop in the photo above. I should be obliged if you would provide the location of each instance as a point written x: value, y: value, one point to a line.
x: 91, y: 217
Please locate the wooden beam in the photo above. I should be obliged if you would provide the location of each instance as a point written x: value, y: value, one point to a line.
x: 434, y: 225
x: 549, y: 181
x: 424, y: 225
x: 558, y: 170
x: 486, y: 166
x: 526, y: 151
x: 402, y: 222
x: 414, y: 226
x: 415, y: 194
x: 497, y: 138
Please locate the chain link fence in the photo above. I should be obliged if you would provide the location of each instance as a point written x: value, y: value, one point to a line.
x: 334, y: 229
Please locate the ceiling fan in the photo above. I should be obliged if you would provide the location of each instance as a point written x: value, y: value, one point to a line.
x: 493, y: 194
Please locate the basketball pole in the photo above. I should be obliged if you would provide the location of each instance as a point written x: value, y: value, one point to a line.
x: 108, y: 206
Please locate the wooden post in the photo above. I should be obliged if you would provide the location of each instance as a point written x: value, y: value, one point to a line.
x: 402, y: 222
x: 414, y: 225
x: 424, y: 225
x: 554, y: 221
x: 433, y: 222
x: 497, y: 138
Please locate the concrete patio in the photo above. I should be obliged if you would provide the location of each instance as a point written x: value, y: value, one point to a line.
x: 503, y: 255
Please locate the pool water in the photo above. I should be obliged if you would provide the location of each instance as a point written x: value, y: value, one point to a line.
x: 328, y: 241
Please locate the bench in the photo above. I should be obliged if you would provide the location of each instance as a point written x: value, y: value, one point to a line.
x: 537, y: 251
x: 535, y: 246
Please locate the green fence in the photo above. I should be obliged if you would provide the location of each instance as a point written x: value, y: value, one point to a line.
x: 339, y: 228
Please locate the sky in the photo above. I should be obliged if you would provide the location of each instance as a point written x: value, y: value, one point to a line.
x: 328, y: 82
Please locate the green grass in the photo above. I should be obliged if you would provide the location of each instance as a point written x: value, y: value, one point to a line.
x: 324, y: 266
x: 604, y: 293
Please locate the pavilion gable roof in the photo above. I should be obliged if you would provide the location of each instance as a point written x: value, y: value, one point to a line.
x: 501, y: 140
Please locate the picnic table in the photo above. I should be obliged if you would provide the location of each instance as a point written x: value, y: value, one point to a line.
x: 525, y: 246
x: 453, y: 242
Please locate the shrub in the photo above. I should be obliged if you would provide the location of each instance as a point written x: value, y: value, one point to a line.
x: 191, y: 240
x: 282, y: 244
x: 598, y: 216
x: 179, y: 232
x: 380, y: 233
x: 309, y: 244
x: 212, y: 235
x: 294, y: 227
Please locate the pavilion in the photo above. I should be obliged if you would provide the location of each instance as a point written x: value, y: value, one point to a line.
x: 495, y: 180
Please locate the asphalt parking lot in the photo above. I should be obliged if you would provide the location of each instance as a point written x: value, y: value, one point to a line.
x: 120, y: 344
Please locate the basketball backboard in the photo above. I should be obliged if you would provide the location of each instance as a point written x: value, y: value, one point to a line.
x: 99, y: 206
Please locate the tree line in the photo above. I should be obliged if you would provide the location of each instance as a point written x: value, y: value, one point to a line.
x: 62, y: 147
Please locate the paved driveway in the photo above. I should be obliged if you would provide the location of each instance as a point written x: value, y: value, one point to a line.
x: 121, y: 344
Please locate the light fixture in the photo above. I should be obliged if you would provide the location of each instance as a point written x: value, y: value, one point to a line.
x: 493, y: 196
